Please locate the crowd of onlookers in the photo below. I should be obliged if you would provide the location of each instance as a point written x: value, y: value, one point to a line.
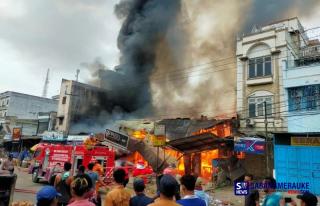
x: 80, y: 190
x: 83, y: 189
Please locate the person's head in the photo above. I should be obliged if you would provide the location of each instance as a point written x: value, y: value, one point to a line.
x: 119, y: 176
x: 188, y: 183
x: 199, y: 183
x: 10, y: 157
x: 80, y: 186
x: 58, y: 164
x: 248, y: 177
x: 81, y: 169
x: 90, y: 166
x: 47, y: 196
x: 270, y: 185
x: 138, y: 185
x: 168, y: 186
x: 91, y: 135
x: 67, y: 166
x: 308, y: 199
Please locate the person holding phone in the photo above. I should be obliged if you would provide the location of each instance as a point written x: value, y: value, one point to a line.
x: 306, y: 199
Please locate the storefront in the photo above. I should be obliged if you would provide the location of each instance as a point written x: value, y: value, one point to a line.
x: 297, y: 159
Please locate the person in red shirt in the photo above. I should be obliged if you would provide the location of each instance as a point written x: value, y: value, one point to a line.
x: 142, y: 171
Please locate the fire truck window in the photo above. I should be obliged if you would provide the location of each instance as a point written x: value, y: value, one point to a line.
x: 37, y: 153
x: 79, y: 163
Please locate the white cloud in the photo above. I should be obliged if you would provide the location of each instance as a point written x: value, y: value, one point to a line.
x: 60, y: 35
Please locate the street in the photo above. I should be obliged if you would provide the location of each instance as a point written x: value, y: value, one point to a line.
x: 25, y: 188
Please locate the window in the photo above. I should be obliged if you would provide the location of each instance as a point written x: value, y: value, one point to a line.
x: 260, y: 67
x: 256, y: 106
x: 64, y: 99
x: 306, y: 98
x: 61, y: 120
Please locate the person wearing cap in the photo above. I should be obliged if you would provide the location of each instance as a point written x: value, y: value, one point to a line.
x: 140, y: 199
x: 306, y: 199
x: 47, y: 196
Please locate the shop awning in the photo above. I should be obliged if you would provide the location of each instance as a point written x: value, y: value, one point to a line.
x: 199, y: 143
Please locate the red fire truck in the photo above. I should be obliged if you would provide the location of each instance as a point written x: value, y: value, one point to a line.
x: 47, y: 156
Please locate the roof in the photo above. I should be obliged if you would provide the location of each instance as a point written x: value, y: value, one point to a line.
x: 180, y: 128
x: 198, y: 143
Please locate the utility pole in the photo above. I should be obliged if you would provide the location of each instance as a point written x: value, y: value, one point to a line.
x: 46, y: 84
x: 267, y: 139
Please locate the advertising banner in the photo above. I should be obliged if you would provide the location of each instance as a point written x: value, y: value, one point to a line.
x: 16, y: 134
x: 251, y: 145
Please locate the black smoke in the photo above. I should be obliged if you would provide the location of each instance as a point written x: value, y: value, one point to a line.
x: 262, y: 12
x: 145, y: 24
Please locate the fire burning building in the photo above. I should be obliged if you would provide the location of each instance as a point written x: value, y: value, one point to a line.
x: 191, y: 144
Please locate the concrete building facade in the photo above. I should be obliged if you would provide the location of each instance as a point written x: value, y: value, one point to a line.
x: 24, y: 106
x: 260, y: 56
x: 78, y: 102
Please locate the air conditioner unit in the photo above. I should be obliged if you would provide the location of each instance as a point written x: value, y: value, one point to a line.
x: 278, y: 123
x: 250, y: 122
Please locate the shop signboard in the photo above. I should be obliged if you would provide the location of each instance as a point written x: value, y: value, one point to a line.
x: 117, y: 139
x: 251, y: 145
x: 158, y: 141
x: 160, y: 130
x: 16, y: 134
x: 53, y: 136
x: 305, y: 141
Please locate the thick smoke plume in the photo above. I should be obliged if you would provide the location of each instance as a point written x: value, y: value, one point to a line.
x: 178, y: 57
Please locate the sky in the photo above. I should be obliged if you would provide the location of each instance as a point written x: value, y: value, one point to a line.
x: 60, y: 35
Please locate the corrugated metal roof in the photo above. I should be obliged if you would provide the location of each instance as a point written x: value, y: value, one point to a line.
x: 198, y: 143
x: 180, y: 128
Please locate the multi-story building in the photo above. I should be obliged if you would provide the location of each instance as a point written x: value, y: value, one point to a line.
x: 298, y: 150
x: 78, y: 103
x: 260, y: 94
x: 24, y: 106
x: 261, y: 101
x: 278, y: 92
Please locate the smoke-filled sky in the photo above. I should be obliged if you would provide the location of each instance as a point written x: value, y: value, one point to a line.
x: 61, y: 35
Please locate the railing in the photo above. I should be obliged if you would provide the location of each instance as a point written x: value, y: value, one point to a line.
x: 310, y: 51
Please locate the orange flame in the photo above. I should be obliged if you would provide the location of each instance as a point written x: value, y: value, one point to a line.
x: 220, y: 130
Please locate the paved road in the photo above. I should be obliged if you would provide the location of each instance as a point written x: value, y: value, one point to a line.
x: 25, y: 188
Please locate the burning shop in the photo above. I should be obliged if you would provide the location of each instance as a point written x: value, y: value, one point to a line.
x: 192, y: 145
